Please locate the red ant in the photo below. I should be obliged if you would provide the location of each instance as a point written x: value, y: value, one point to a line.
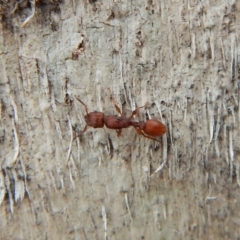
x: 149, y: 129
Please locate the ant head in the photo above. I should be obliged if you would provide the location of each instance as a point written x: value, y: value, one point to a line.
x: 95, y: 119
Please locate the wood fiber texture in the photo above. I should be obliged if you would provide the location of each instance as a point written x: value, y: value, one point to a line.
x: 182, y: 57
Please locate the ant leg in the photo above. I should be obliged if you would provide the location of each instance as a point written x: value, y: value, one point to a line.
x: 86, y: 109
x: 114, y: 103
x: 118, y: 109
x: 136, y: 110
x: 85, y: 128
x: 119, y: 131
x: 139, y: 131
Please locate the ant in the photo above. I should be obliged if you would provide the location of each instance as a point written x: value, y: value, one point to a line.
x: 149, y: 129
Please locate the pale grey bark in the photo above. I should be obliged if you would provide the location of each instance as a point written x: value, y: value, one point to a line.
x: 180, y: 56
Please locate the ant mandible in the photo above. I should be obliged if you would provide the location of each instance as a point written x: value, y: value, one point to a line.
x: 149, y: 129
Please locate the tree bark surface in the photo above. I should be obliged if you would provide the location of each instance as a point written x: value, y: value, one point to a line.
x: 182, y: 57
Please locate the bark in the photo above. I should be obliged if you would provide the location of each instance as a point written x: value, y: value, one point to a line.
x: 182, y: 57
